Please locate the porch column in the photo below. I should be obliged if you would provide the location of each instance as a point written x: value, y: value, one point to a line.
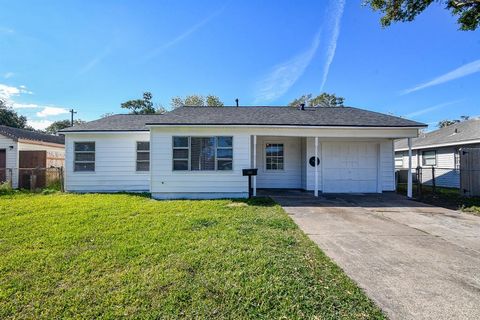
x: 315, y: 192
x: 254, y: 165
x: 409, y: 177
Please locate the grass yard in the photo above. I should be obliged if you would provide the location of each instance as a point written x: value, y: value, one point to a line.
x: 127, y: 256
x: 444, y: 197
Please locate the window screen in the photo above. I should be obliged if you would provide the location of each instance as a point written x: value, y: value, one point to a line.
x: 143, y: 156
x: 84, y: 158
x: 202, y: 153
x: 274, y: 158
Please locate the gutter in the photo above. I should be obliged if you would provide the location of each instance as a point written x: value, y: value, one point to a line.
x: 439, y: 145
x: 157, y: 125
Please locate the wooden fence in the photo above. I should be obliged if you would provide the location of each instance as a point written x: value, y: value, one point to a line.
x: 470, y: 171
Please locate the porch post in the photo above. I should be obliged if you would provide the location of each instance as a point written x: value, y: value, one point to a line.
x: 316, y: 168
x: 409, y: 177
x: 254, y: 165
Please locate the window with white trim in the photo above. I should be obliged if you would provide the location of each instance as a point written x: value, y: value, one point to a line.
x: 457, y: 158
x: 274, y: 157
x: 143, y: 156
x: 202, y: 153
x: 429, y: 158
x: 84, y: 158
x: 399, y: 160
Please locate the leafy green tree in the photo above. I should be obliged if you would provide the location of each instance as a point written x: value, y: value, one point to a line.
x: 140, y: 106
x: 61, y: 124
x: 196, y: 100
x: 446, y: 123
x: 468, y: 11
x: 322, y: 100
x: 8, y: 117
x: 213, y: 101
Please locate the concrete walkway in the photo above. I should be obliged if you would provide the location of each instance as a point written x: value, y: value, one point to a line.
x: 414, y: 260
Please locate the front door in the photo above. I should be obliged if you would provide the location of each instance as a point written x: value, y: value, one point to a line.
x: 3, y: 165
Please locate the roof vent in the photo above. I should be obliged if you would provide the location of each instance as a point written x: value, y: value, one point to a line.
x: 302, y: 106
x: 456, y: 130
x: 236, y: 101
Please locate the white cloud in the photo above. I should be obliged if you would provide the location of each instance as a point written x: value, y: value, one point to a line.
x: 7, y: 92
x: 39, y: 124
x: 284, y: 75
x: 465, y: 70
x: 51, y: 111
x: 16, y: 105
x: 430, y: 109
x: 184, y: 35
x: 98, y: 58
x: 336, y: 17
x: 8, y: 75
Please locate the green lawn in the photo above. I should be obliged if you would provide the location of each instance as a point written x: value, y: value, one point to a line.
x: 444, y: 197
x: 116, y: 256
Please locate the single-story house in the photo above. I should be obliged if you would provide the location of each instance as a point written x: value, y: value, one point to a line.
x: 440, y: 149
x: 199, y: 152
x: 21, y: 150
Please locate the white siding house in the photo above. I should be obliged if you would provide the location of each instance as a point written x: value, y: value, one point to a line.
x: 115, y: 163
x: 437, y: 153
x: 9, y: 152
x: 200, y: 152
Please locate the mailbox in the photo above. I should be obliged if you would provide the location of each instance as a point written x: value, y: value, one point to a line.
x: 249, y: 173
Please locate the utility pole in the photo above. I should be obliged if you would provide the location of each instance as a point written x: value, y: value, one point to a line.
x: 72, y: 112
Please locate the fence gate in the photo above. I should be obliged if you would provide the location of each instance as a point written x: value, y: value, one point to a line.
x: 470, y: 171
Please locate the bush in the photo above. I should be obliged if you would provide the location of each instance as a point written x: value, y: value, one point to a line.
x: 5, y: 188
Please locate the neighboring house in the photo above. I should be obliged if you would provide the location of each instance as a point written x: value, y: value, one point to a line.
x: 440, y: 149
x: 20, y: 148
x: 199, y: 152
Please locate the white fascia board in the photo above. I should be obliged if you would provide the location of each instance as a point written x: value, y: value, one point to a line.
x: 104, y: 132
x: 270, y: 127
x: 440, y: 145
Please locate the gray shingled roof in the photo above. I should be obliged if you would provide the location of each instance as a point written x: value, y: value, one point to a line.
x: 15, y: 134
x: 117, y: 122
x: 265, y: 116
x: 461, y: 132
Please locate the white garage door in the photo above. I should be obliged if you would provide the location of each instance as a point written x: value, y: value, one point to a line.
x: 349, y: 167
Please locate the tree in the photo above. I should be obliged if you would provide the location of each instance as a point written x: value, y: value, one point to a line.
x: 407, y: 10
x: 61, y: 124
x: 322, y: 100
x: 140, y: 106
x: 8, y: 117
x: 196, y: 100
x: 446, y: 123
x: 107, y: 114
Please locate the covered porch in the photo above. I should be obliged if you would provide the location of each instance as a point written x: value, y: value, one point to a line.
x: 325, y: 165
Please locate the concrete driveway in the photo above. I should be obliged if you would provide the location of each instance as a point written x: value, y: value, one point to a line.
x: 414, y: 260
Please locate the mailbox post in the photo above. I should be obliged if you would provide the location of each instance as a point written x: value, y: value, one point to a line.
x: 249, y: 173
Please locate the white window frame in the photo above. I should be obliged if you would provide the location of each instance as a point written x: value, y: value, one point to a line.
x: 399, y: 158
x: 434, y: 156
x: 181, y: 148
x: 142, y: 151
x: 265, y: 156
x: 189, y: 148
x: 75, y: 152
x: 456, y: 159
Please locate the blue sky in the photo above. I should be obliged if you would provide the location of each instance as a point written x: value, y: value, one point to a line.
x: 93, y: 55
